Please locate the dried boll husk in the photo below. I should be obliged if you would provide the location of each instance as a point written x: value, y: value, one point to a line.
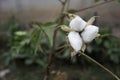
x: 89, y: 33
x: 66, y: 28
x: 75, y: 40
x: 77, y: 23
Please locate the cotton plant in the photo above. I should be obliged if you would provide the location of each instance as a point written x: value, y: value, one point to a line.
x: 80, y: 33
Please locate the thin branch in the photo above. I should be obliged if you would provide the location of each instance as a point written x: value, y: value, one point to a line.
x: 106, y: 69
x: 63, y: 5
x: 61, y: 17
x: 109, y: 35
x: 50, y: 60
x: 102, y: 3
x: 61, y: 47
x: 51, y: 54
x: 68, y: 4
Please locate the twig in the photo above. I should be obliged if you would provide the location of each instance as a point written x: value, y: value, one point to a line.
x: 51, y: 54
x: 63, y: 46
x: 60, y: 21
x: 63, y: 5
x: 106, y: 69
x: 68, y: 4
x: 83, y: 9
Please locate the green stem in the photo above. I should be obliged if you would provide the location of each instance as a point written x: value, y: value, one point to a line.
x: 110, y: 72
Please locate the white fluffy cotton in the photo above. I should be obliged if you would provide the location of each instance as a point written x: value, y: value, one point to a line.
x: 75, y: 40
x: 89, y: 33
x: 78, y: 24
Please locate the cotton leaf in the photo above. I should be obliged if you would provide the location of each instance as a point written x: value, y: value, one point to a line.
x: 77, y: 24
x: 89, y: 33
x: 35, y: 39
x: 20, y: 33
x: 75, y: 40
x: 72, y: 11
x: 48, y: 30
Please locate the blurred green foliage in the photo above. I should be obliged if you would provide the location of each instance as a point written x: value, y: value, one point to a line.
x: 118, y: 1
x: 33, y: 46
x: 106, y: 47
x: 27, y: 45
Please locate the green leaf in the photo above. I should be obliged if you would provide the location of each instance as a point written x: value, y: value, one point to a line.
x: 50, y: 24
x: 72, y: 11
x: 41, y: 62
x: 20, y: 33
x: 26, y: 41
x: 115, y: 58
x: 48, y: 30
x: 99, y: 41
x: 66, y: 54
x: 107, y: 44
x: 36, y: 38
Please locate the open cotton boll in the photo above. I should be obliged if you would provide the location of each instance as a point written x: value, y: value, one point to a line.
x: 78, y: 24
x: 89, y: 33
x: 75, y: 40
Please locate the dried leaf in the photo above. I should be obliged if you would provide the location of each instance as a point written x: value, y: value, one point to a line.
x: 73, y: 54
x: 83, y: 47
x: 91, y: 20
x: 65, y: 28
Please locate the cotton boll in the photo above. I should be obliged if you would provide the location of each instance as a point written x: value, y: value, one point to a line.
x: 89, y: 33
x: 75, y: 40
x: 78, y: 24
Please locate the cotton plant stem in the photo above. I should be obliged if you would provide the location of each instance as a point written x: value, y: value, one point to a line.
x: 61, y: 47
x: 51, y: 54
x: 50, y: 59
x: 83, y: 9
x: 106, y: 69
x: 68, y: 4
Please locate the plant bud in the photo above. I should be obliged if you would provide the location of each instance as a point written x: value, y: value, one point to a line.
x: 78, y: 24
x: 89, y: 33
x: 75, y: 40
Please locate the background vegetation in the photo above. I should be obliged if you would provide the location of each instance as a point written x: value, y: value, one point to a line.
x: 26, y: 51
